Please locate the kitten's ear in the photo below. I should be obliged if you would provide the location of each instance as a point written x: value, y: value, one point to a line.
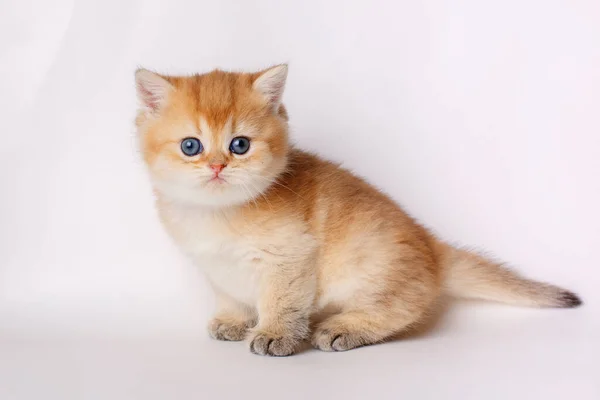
x: 152, y: 89
x: 270, y: 83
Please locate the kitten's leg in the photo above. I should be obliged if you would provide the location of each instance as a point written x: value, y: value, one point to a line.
x: 399, y: 298
x: 286, y: 300
x: 232, y: 319
x: 358, y: 328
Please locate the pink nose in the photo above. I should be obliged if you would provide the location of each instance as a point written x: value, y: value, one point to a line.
x: 217, y: 167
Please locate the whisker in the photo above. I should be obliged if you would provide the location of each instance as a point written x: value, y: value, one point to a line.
x: 263, y: 196
x: 280, y: 184
x: 247, y: 190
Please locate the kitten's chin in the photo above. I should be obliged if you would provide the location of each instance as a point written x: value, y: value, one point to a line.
x: 216, y: 196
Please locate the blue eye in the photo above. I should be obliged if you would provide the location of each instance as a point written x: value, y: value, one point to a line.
x: 239, y: 145
x: 191, y: 147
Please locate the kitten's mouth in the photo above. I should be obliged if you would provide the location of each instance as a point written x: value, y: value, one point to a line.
x: 217, y: 179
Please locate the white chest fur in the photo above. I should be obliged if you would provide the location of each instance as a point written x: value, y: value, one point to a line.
x: 236, y: 253
x: 233, y: 266
x: 233, y: 261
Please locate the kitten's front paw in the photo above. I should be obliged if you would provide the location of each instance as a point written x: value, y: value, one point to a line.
x: 227, y: 330
x: 267, y: 344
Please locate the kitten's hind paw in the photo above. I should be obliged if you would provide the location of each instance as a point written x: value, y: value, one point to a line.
x: 332, y: 340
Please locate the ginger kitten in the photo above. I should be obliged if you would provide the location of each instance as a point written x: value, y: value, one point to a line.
x: 283, y: 235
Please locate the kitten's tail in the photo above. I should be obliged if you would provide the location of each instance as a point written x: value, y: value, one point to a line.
x: 469, y: 275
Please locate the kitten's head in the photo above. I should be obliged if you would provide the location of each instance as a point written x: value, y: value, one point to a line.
x: 218, y: 139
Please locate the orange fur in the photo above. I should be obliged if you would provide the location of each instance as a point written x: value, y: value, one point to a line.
x: 285, y: 235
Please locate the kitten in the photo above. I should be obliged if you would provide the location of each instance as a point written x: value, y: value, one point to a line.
x: 283, y: 235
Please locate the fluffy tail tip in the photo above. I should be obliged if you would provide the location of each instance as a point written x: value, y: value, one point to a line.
x: 569, y: 299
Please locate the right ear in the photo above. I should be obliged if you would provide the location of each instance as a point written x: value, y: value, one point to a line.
x: 270, y: 84
x: 152, y: 90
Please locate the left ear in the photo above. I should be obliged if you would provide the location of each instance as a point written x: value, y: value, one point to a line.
x: 152, y: 89
x: 270, y: 83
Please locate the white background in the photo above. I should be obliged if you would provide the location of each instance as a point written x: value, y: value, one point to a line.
x: 480, y: 117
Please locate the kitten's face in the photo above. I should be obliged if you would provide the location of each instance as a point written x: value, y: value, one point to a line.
x: 216, y: 140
